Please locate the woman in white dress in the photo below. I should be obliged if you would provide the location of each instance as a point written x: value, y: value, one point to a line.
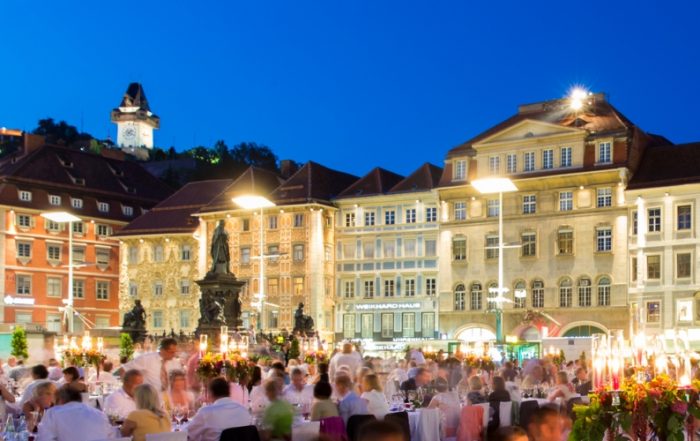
x: 372, y: 393
x: 562, y: 389
x: 450, y: 407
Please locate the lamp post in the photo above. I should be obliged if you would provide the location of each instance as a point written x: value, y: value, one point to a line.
x: 62, y: 217
x: 500, y: 186
x: 254, y: 202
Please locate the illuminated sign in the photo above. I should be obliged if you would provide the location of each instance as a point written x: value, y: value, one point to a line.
x: 382, y: 306
x: 18, y: 301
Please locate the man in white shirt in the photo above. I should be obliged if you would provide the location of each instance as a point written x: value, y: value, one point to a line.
x: 298, y: 392
x: 73, y: 420
x: 156, y: 366
x: 222, y: 414
x: 121, y: 402
x: 348, y: 358
x: 39, y: 375
x: 105, y: 375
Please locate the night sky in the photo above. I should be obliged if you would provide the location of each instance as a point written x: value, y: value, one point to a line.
x: 350, y: 84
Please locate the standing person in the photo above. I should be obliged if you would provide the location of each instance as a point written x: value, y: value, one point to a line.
x: 221, y: 414
x: 39, y: 374
x: 72, y: 420
x: 278, y: 415
x: 121, y: 402
x: 149, y: 416
x: 155, y: 366
x: 349, y: 403
x: 347, y: 357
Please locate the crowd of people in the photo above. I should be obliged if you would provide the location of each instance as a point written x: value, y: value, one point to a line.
x: 148, y: 393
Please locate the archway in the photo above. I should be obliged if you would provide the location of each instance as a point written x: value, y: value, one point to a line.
x: 530, y: 334
x: 583, y: 329
x: 475, y: 333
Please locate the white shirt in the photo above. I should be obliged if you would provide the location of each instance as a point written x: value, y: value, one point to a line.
x: 211, y: 420
x: 150, y: 365
x: 29, y: 391
x: 294, y: 396
x: 119, y: 403
x: 376, y: 403
x: 74, y: 422
x: 351, y: 360
x: 103, y: 377
x: 258, y: 399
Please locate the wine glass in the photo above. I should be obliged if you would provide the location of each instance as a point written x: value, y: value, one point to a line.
x: 178, y: 414
x: 305, y: 411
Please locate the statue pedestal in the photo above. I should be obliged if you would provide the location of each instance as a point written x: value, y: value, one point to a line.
x: 219, y: 305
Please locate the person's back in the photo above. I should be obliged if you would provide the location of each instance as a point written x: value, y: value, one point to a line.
x: 147, y: 423
x: 73, y: 421
x: 323, y: 407
x: 223, y: 413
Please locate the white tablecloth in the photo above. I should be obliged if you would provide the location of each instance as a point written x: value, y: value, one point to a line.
x: 306, y: 431
x: 424, y: 424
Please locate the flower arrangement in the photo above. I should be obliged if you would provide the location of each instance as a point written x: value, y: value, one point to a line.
x: 484, y: 362
x: 658, y: 409
x: 316, y: 357
x: 83, y: 357
x: 557, y: 358
x: 233, y: 366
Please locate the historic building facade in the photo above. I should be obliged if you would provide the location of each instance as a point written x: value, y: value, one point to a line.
x: 386, y: 257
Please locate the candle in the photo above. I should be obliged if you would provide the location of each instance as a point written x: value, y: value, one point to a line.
x: 100, y: 344
x: 202, y: 344
x: 615, y: 370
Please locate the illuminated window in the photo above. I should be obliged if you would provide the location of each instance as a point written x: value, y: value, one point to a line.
x: 460, y: 210
x: 565, y: 158
x: 460, y: 170
x: 547, y: 159
x: 459, y: 295
x: 566, y: 200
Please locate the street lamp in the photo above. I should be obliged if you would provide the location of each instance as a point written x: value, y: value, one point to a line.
x: 62, y: 217
x: 255, y: 202
x: 500, y: 186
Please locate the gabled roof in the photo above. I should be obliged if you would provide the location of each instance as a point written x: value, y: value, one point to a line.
x: 174, y: 215
x: 254, y: 180
x: 377, y: 181
x: 135, y: 97
x: 312, y: 183
x: 667, y: 165
x: 426, y: 177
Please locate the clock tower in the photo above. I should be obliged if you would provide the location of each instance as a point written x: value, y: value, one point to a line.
x: 134, y: 119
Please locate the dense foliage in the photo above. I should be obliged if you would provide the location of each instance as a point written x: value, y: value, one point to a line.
x: 19, y: 343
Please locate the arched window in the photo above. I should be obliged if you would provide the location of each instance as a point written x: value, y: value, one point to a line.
x: 604, y: 291
x: 519, y: 295
x: 459, y: 297
x: 584, y: 291
x: 537, y: 293
x: 565, y: 297
x: 475, y: 297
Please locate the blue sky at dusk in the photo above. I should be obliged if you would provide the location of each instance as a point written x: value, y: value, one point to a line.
x: 349, y: 84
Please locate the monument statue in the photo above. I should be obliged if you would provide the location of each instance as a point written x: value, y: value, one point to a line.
x: 220, y: 255
x: 135, y: 322
x: 303, y: 324
x: 212, y: 308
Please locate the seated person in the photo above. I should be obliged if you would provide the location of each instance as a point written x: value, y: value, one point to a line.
x: 221, y: 414
x: 582, y: 383
x: 475, y: 395
x: 499, y: 394
x: 71, y: 378
x: 73, y: 420
x: 349, y: 403
x: 278, y: 415
x: 450, y: 407
x: 149, y: 416
x: 323, y: 406
x: 43, y: 398
x: 562, y: 389
x: 373, y: 395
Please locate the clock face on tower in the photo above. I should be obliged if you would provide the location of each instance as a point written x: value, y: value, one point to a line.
x: 129, y: 133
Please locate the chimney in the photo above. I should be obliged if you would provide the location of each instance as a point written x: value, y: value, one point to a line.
x: 113, y: 153
x: 32, y: 142
x: 288, y: 168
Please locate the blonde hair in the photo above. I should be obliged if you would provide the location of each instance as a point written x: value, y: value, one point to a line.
x: 45, y: 387
x: 147, y: 398
x: 475, y: 383
x: 371, y: 382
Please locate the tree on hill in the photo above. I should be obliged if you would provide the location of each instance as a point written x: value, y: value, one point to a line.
x: 250, y: 153
x: 60, y: 133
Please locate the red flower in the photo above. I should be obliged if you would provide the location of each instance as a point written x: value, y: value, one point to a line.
x: 679, y: 407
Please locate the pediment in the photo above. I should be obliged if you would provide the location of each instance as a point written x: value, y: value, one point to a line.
x: 528, y: 129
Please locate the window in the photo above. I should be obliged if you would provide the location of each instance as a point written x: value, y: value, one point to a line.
x: 511, y: 163
x: 529, y: 204
x: 565, y: 158
x: 494, y: 165
x: 519, y: 295
x: 459, y: 249
x: 184, y: 318
x: 388, y: 325
x: 272, y: 222
x: 654, y: 216
x: 492, y: 246
x: 24, y: 284
x: 684, y: 216
x: 78, y: 228
x: 349, y: 219
x: 78, y: 254
x: 349, y: 325
x: 369, y: 289
x: 529, y: 160
x: 103, y: 207
x: 492, y: 208
x: 367, y: 327
x: 683, y: 265
x: 565, y: 241
x: 158, y: 253
x: 157, y: 319
x: 411, y: 216
x: 102, y: 290
x: 52, y: 226
x: 184, y: 287
x: 460, y: 210
x: 409, y: 248
x: 653, y: 312
x: 389, y: 288
x: 78, y: 289
x: 53, y: 252
x: 24, y: 221
x: 133, y: 289
x: 185, y: 252
x: 389, y: 217
x: 529, y: 244
x: 431, y: 214
x: 389, y: 249
x: 410, y: 288
x: 604, y: 153
x: 566, y: 200
x: 158, y: 289
x: 103, y: 230
x: 635, y: 222
x: 298, y: 253
x: 24, y: 250
x: 298, y: 220
x: 369, y: 218
x: 565, y: 297
x: 273, y: 286
x: 77, y: 203
x: 127, y: 210
x: 23, y: 317
x: 349, y: 289
x: 298, y: 288
x: 133, y: 255
x: 25, y: 196
x: 348, y: 250
x: 430, y: 248
x: 368, y: 249
x: 584, y: 292
x: 428, y: 324
x: 653, y: 267
x: 53, y: 287
x: 246, y: 225
x: 273, y: 319
x: 603, y: 291
x: 538, y: 294
x: 603, y: 239
x: 430, y: 286
x: 245, y: 256
x: 475, y: 297
x: 547, y: 159
x: 54, y: 199
x: 460, y: 170
x: 409, y: 324
x: 634, y: 269
x: 459, y: 297
x: 273, y: 252
x: 604, y: 197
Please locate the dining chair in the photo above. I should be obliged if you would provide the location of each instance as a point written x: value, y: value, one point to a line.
x: 243, y: 433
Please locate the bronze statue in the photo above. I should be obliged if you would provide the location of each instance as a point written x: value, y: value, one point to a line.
x: 303, y: 324
x: 135, y: 322
x: 220, y: 255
